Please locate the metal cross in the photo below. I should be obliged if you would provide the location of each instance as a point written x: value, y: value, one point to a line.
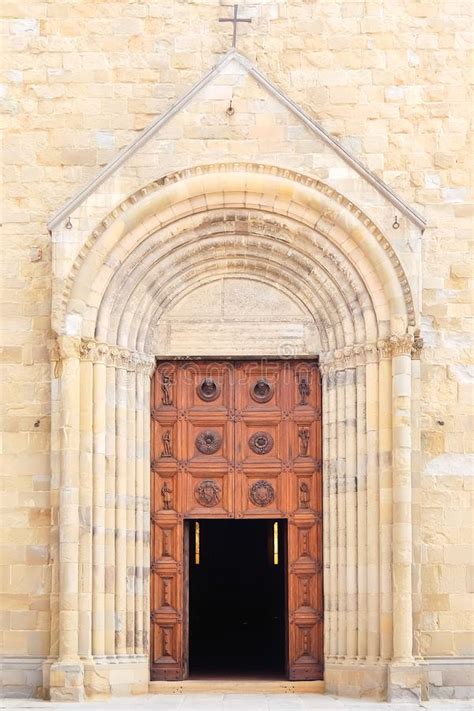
x: 234, y: 21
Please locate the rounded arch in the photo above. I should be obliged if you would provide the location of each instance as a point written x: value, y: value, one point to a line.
x: 278, y: 226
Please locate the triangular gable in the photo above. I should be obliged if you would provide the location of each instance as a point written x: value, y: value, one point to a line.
x: 277, y: 93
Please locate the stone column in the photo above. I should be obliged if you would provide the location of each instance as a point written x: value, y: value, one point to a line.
x: 146, y: 502
x: 361, y: 504
x: 86, y: 469
x: 341, y: 506
x: 351, y: 505
x: 373, y: 532
x: 131, y: 503
x: 55, y: 489
x: 121, y: 398
x: 67, y: 674
x: 139, y: 516
x: 333, y: 550
x: 416, y: 488
x: 402, y: 499
x: 385, y: 500
x: 326, y: 512
x: 98, y: 538
x: 110, y: 467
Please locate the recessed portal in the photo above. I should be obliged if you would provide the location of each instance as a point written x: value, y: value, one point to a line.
x: 237, y: 598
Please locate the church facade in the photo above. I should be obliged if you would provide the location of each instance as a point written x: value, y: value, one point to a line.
x: 186, y: 227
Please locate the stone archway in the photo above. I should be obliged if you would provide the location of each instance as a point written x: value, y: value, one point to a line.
x: 174, y: 238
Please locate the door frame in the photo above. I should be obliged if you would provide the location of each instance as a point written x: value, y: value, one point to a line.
x: 186, y: 593
x: 186, y: 518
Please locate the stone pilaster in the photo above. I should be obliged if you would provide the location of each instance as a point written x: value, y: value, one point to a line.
x: 402, y: 498
x: 66, y: 675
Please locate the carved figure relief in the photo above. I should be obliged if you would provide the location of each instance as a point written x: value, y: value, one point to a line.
x: 208, y: 493
x: 261, y: 442
x: 209, y: 390
x: 262, y: 493
x: 167, y: 446
x: 208, y: 441
x: 303, y: 434
x: 166, y: 496
x: 304, y: 390
x: 304, y: 495
x: 166, y: 383
x: 262, y: 391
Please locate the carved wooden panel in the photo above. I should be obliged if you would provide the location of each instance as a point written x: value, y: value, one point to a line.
x: 238, y: 440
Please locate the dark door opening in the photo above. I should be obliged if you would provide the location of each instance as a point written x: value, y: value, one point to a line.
x: 237, y: 598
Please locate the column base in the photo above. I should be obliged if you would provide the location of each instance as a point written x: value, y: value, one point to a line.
x: 66, y: 681
x: 356, y: 679
x: 117, y: 676
x: 408, y: 681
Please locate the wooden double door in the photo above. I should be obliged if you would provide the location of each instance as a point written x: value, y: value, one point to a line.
x: 237, y: 440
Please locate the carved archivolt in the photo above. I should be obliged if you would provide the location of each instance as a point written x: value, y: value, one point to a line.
x: 330, y: 216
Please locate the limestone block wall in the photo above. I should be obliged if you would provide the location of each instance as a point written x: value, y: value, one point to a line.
x: 387, y: 78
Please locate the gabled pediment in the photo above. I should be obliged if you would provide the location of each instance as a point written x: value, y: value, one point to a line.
x: 236, y: 66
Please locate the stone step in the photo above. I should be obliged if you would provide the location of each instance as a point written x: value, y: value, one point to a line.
x: 236, y: 686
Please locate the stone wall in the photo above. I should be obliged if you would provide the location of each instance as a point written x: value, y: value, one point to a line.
x: 388, y: 79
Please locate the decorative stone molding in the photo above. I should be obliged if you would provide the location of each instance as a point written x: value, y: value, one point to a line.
x: 334, y: 208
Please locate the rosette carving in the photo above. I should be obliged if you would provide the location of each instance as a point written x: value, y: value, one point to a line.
x: 262, y: 493
x: 208, y: 441
x: 261, y: 442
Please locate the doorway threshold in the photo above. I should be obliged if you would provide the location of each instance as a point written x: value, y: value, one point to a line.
x: 236, y: 686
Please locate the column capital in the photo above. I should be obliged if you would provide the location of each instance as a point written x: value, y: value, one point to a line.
x: 394, y: 346
x: 63, y: 348
x: 88, y: 349
x: 348, y: 357
x: 365, y: 353
x: 417, y: 347
x: 93, y: 352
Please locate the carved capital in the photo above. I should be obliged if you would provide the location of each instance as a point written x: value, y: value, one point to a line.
x: 417, y: 347
x: 371, y: 353
x: 67, y: 347
x: 359, y: 355
x: 112, y: 356
x: 398, y: 345
x: 123, y: 359
x: 62, y: 348
x: 402, y: 345
x: 338, y: 359
x: 94, y: 352
x: 384, y: 348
